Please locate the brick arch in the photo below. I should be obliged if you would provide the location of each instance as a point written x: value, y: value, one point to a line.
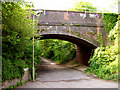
x: 83, y: 48
x: 76, y: 40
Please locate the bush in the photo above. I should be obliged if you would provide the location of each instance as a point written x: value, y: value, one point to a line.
x: 109, y: 21
x: 10, y: 70
x: 16, y: 44
x: 104, y: 62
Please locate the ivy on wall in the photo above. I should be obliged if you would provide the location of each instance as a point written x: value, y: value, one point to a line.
x: 109, y: 21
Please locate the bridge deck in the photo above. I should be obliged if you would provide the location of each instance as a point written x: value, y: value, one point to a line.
x: 84, y: 26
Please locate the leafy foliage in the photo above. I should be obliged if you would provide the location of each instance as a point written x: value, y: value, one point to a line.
x: 17, y: 30
x: 82, y: 6
x: 109, y: 21
x: 104, y: 62
x: 57, y: 50
x: 100, y: 40
x: 21, y: 83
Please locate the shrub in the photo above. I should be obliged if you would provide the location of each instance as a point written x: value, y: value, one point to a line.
x: 104, y: 62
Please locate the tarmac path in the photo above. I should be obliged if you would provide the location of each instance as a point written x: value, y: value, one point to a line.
x: 51, y: 75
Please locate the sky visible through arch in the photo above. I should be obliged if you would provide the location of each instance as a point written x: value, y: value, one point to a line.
x: 66, y: 4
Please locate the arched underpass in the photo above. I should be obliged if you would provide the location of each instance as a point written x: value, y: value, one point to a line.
x: 52, y: 24
x: 84, y: 48
x: 58, y: 76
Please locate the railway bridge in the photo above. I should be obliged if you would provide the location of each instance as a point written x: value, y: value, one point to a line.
x: 80, y: 28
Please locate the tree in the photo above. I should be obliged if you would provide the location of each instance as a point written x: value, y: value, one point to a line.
x: 82, y: 6
x: 17, y: 29
x: 14, y: 19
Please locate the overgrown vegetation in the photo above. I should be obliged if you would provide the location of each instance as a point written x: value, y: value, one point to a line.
x: 109, y: 21
x: 17, y: 31
x: 57, y: 50
x: 21, y: 83
x: 104, y: 62
x: 84, y: 6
